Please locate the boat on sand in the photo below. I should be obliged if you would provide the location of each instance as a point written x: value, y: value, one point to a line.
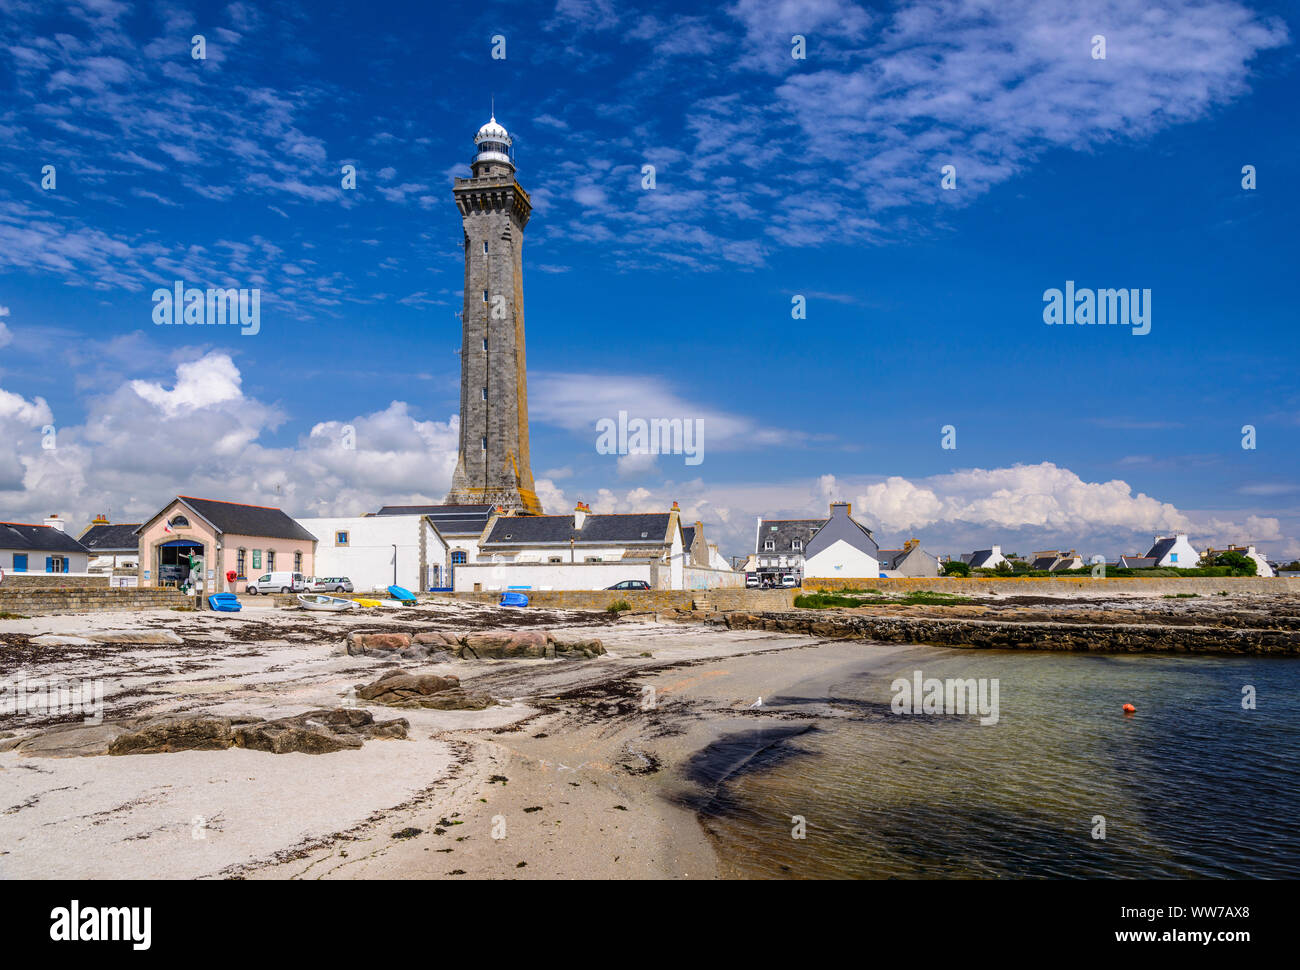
x: 316, y: 601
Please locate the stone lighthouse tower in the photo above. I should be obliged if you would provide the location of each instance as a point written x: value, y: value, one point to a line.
x: 493, y: 466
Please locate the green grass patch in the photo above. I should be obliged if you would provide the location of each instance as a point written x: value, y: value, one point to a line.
x: 618, y: 606
x: 1181, y: 596
x: 6, y: 615
x: 831, y: 601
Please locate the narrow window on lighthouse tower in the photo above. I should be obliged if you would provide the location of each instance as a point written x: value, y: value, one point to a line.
x: 485, y: 393
x: 485, y: 245
x: 485, y: 444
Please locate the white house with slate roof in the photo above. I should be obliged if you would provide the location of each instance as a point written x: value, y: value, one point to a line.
x: 779, y: 546
x: 112, y: 546
x: 985, y: 558
x: 45, y: 548
x: 1173, y: 552
x: 378, y: 551
x: 586, y: 550
x: 842, y: 547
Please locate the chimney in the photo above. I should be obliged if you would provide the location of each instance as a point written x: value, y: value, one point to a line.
x: 997, y: 550
x: 580, y: 513
x: 100, y: 519
x: 676, y: 508
x: 908, y: 545
x: 53, y: 521
x: 847, y: 507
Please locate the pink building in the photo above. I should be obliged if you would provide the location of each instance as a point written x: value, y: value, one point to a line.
x: 249, y: 540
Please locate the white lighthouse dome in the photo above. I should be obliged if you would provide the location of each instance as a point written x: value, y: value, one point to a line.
x: 492, y: 131
x: 494, y: 144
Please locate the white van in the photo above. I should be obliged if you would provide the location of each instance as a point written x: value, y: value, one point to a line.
x: 277, y: 583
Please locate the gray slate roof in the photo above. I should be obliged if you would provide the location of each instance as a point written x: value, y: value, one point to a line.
x: 784, y: 531
x: 1044, y: 562
x: 842, y: 526
x: 1160, y: 549
x: 104, y: 539
x: 36, y: 538
x: 1137, y: 562
x: 979, y: 557
x: 248, y: 520
x: 536, y: 530
x: 450, y: 520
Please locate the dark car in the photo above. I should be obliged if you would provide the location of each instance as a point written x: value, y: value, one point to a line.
x: 630, y: 584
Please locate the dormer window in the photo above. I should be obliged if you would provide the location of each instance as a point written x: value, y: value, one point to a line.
x: 769, y: 545
x: 796, y: 545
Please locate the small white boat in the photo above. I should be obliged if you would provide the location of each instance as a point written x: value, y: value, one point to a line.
x: 315, y: 601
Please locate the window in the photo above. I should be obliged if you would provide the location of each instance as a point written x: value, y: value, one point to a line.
x: 485, y: 296
x: 178, y: 521
x: 20, y: 562
x: 796, y: 545
x: 340, y: 538
x: 769, y: 545
x: 555, y: 559
x: 270, y: 560
x: 297, y: 562
x: 485, y: 444
x: 485, y: 343
x: 1173, y: 557
x: 485, y: 245
x: 593, y: 559
x: 56, y: 564
x: 485, y: 393
x: 257, y: 559
x: 240, y: 562
x: 458, y: 558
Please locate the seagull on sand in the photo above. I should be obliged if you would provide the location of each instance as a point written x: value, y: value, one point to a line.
x: 757, y: 703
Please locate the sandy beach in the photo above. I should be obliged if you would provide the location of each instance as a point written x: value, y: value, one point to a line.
x: 583, y: 768
x: 572, y: 771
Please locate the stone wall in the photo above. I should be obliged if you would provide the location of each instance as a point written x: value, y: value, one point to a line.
x: 655, y: 600
x: 1061, y: 585
x: 52, y: 581
x: 43, y: 602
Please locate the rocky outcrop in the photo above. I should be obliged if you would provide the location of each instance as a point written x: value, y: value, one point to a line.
x: 399, y: 689
x: 315, y: 732
x: 378, y: 644
x: 495, y: 645
x: 1010, y: 635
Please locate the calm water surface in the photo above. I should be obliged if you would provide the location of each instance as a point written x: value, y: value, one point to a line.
x: 1191, y: 786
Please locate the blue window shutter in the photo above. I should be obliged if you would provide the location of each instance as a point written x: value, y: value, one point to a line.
x: 49, y: 564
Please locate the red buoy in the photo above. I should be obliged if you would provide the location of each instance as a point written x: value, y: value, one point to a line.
x: 1130, y: 709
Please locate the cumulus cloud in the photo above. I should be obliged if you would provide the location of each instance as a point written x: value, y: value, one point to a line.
x: 197, y: 432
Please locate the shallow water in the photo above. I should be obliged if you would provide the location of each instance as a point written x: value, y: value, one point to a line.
x: 1190, y: 786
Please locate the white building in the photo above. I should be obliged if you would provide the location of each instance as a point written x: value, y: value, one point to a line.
x: 841, y: 548
x: 45, y: 548
x: 111, y: 547
x: 985, y: 558
x: 462, y: 526
x: 378, y: 551
x: 1262, y: 568
x: 1173, y: 552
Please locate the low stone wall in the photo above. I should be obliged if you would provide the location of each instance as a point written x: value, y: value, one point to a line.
x: 1055, y: 585
x: 655, y: 600
x: 1003, y: 635
x: 52, y: 581
x: 43, y: 602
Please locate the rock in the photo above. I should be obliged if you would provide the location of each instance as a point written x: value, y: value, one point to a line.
x: 87, y: 638
x: 578, y: 648
x: 315, y: 732
x: 318, y: 732
x: 399, y: 689
x: 438, y: 639
x: 507, y: 645
x: 161, y: 735
x: 378, y: 643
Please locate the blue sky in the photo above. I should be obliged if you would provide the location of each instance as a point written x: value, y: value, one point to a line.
x: 775, y: 176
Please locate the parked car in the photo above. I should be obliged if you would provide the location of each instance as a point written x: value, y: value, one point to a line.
x: 630, y: 584
x: 788, y: 581
x: 328, y: 584
x: 752, y: 581
x: 277, y: 583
